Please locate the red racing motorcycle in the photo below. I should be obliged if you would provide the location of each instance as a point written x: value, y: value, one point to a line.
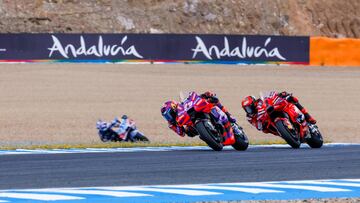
x: 286, y: 120
x: 194, y: 113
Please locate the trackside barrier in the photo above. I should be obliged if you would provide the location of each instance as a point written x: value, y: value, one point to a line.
x: 179, y: 48
x: 154, y: 48
x: 334, y: 52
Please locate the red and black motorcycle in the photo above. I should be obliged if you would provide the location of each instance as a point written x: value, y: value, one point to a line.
x: 286, y: 120
x: 194, y: 113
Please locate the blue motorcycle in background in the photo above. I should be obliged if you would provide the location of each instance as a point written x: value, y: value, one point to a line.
x: 120, y: 131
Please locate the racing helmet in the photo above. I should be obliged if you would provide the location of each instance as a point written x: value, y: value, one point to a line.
x: 101, y: 125
x: 168, y: 111
x: 208, y: 94
x: 248, y: 104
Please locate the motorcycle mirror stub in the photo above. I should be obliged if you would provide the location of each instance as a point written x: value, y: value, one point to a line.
x: 261, y: 94
x: 182, y: 96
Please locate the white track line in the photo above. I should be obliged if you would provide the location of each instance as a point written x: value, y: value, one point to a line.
x: 186, y: 189
x: 237, y: 189
x: 43, y: 197
x: 145, y: 149
x: 351, y: 180
x: 171, y: 191
x: 325, y: 183
x: 285, y: 186
x: 92, y: 192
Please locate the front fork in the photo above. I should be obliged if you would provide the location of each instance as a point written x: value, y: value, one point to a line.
x: 312, y: 130
x: 237, y: 129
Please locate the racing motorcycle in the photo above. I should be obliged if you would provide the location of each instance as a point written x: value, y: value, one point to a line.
x: 194, y: 113
x: 118, y: 131
x: 287, y: 121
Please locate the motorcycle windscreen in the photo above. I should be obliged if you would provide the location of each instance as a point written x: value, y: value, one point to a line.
x: 267, y: 94
x: 249, y: 110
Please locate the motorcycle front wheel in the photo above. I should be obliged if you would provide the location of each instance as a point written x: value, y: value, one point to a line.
x: 316, y: 139
x: 241, y: 140
x: 141, y: 138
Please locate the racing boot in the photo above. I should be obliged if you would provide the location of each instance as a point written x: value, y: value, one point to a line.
x: 230, y: 117
x: 308, y: 117
x: 234, y: 126
x: 227, y: 113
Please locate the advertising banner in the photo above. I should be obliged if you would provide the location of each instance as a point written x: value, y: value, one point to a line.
x: 191, y: 48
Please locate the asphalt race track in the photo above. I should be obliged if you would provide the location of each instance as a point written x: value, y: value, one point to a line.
x: 178, y: 167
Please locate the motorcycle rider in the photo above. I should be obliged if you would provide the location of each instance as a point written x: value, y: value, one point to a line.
x: 170, y: 109
x: 106, y: 132
x: 211, y: 98
x: 255, y: 110
x: 125, y: 129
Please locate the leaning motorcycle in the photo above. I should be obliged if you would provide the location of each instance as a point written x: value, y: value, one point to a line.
x: 128, y: 131
x: 289, y: 122
x: 194, y: 113
x: 117, y: 131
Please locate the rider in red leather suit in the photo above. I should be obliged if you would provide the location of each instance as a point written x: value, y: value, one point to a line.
x: 256, y: 110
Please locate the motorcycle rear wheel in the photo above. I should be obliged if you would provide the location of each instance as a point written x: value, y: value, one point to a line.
x: 208, y: 136
x: 293, y: 139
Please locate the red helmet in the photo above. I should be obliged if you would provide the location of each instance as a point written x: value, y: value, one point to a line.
x: 209, y: 94
x: 248, y: 103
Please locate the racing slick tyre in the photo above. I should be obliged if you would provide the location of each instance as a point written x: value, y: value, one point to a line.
x: 241, y: 141
x: 141, y: 138
x: 207, y: 135
x: 290, y: 136
x: 316, y: 139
